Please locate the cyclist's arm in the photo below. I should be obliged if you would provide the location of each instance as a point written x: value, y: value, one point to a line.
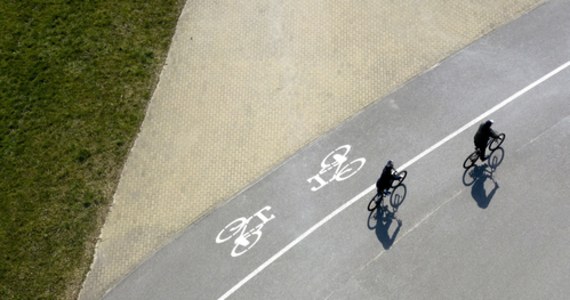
x: 395, y: 174
x: 493, y: 133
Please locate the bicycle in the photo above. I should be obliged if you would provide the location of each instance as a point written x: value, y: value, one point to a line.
x: 373, y: 204
x: 493, y: 145
x: 246, y: 238
x: 337, y: 162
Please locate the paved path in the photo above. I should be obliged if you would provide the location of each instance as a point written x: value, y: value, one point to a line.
x: 498, y: 232
x: 248, y: 84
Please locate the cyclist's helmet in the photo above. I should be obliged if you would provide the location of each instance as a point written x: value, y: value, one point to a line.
x: 390, y: 164
x: 489, y: 123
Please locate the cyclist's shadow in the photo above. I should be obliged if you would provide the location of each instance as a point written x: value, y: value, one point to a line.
x: 384, y: 222
x: 478, y: 175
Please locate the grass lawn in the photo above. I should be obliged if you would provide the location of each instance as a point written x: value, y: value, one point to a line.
x: 75, y: 79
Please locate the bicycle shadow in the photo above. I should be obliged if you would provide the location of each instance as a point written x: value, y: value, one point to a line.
x: 384, y: 221
x: 480, y: 174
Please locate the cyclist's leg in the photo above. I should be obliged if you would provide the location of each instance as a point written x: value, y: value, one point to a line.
x: 379, y: 197
x: 381, y: 200
x: 387, y: 189
x: 379, y: 191
x: 481, y: 149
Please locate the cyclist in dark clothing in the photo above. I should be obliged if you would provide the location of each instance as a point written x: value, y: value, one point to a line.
x: 481, y: 138
x: 385, y: 181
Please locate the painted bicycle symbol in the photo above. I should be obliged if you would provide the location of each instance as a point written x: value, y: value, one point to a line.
x: 336, y: 161
x: 246, y: 238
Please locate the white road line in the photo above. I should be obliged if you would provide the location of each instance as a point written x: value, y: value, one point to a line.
x: 402, y: 167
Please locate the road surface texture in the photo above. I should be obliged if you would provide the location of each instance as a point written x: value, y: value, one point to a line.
x: 247, y: 84
x: 497, y: 231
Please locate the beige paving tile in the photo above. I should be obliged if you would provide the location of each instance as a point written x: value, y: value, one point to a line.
x: 247, y: 83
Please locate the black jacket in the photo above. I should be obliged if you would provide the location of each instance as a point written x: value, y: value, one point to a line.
x: 483, y: 134
x: 386, y: 178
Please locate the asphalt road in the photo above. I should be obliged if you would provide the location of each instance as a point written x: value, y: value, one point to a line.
x: 498, y: 233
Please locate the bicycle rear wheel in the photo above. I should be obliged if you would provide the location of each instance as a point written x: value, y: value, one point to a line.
x: 468, y: 177
x: 470, y: 160
x: 496, y: 143
x: 373, y: 204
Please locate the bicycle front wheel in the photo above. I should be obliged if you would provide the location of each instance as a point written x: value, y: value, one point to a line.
x: 496, y: 143
x: 350, y: 169
x: 398, y: 182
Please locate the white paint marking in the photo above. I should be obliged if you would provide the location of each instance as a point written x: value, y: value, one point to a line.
x: 402, y: 167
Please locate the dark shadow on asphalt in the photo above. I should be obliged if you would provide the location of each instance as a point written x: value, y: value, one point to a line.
x: 478, y: 175
x: 383, y: 226
x: 496, y: 158
x: 398, y: 196
x: 384, y: 220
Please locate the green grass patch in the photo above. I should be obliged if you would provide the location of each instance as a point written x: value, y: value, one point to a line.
x: 75, y: 79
